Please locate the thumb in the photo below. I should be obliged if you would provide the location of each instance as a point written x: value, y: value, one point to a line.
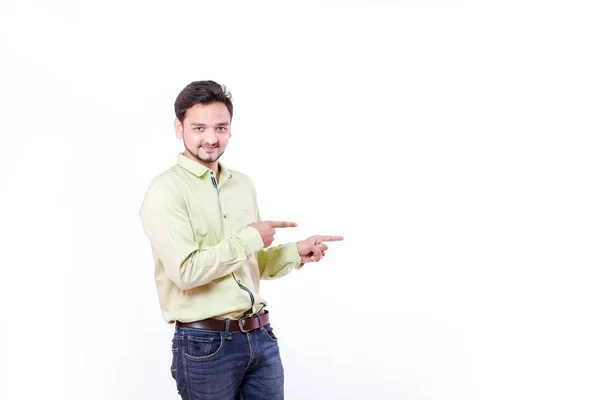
x: 316, y: 251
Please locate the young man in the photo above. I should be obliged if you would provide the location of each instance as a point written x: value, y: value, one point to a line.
x: 210, y: 251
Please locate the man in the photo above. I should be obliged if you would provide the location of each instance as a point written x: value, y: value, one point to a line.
x: 210, y: 250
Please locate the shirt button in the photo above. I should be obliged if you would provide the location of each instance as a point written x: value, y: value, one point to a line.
x: 224, y: 216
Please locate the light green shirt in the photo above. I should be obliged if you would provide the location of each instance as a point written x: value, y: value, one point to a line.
x: 207, y: 261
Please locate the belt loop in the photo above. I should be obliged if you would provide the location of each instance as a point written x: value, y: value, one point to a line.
x: 260, y: 323
x: 227, y: 331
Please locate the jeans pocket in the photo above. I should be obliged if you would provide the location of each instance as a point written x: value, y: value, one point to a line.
x: 203, y: 346
x: 270, y: 334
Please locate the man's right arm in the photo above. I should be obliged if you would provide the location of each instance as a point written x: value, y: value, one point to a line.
x: 166, y: 222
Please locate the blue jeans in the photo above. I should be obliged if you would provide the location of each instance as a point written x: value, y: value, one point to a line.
x: 227, y: 365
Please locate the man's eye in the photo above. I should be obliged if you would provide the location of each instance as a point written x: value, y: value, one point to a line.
x: 199, y: 128
x: 221, y: 129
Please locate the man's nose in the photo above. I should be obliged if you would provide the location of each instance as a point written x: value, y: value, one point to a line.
x: 211, y: 136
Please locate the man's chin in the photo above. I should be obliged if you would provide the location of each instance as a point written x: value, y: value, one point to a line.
x: 208, y: 158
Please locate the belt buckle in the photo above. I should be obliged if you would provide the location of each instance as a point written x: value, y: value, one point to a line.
x: 241, y: 323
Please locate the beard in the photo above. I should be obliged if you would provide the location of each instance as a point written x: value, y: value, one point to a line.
x: 206, y: 158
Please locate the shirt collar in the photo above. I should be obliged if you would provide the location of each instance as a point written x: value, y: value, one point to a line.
x: 198, y: 169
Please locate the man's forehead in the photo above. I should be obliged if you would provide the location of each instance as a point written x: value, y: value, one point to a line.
x: 208, y: 113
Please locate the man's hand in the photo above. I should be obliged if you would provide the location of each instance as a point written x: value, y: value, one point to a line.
x: 313, y: 248
x: 267, y: 229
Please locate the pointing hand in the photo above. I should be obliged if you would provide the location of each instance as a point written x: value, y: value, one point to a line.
x: 267, y: 229
x: 313, y: 248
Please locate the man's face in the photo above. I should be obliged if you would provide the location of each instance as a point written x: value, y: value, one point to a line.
x: 205, y: 132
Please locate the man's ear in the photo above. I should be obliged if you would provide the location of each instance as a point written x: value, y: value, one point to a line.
x: 178, y: 128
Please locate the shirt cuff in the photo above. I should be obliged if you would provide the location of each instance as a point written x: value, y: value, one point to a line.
x: 289, y: 253
x: 251, y: 239
x: 286, y: 258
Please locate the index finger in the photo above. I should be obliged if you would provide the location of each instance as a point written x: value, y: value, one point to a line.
x: 329, y: 238
x: 282, y: 224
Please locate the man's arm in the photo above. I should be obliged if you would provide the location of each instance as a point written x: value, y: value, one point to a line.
x: 276, y: 262
x: 281, y: 260
x: 166, y: 223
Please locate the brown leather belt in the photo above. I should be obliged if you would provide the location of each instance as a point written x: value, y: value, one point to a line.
x: 242, y: 325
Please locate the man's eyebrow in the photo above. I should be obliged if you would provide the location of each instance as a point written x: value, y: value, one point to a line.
x: 202, y: 124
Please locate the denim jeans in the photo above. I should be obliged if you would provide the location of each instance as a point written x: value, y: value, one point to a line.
x: 227, y: 365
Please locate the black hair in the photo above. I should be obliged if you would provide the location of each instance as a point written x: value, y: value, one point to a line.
x: 202, y: 92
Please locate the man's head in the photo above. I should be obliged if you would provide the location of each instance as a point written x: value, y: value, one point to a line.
x: 203, y: 112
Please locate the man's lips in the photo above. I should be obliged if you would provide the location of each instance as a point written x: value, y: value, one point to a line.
x: 209, y: 149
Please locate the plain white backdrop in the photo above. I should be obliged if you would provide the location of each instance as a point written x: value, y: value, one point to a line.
x: 453, y: 144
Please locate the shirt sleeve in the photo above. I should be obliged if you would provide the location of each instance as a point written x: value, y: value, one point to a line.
x: 276, y: 262
x: 166, y: 223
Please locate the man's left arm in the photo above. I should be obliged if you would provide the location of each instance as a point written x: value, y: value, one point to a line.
x: 278, y: 261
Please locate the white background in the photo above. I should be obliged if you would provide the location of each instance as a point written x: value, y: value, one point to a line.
x: 454, y: 144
